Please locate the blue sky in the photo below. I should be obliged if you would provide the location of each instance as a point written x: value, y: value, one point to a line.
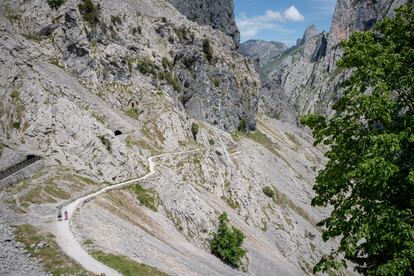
x: 281, y: 20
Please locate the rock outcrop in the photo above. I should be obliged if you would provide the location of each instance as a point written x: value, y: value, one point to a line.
x: 309, y: 32
x: 218, y: 14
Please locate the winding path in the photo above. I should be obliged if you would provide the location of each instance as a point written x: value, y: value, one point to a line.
x: 66, y: 239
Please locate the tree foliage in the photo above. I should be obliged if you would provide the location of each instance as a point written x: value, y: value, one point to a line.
x: 208, y: 50
x: 90, y: 12
x: 369, y: 178
x: 194, y: 130
x: 54, y: 4
x: 227, y: 243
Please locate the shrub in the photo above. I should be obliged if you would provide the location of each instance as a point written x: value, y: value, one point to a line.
x: 146, y: 66
x: 166, y: 63
x: 268, y: 191
x: 215, y: 82
x: 242, y: 126
x: 171, y: 79
x: 227, y: 243
x: 16, y: 125
x: 194, y: 130
x: 137, y: 30
x: 105, y: 142
x: 145, y: 197
x: 90, y: 12
x: 54, y: 4
x: 208, y: 50
x: 116, y: 19
x: 14, y: 94
x: 181, y: 33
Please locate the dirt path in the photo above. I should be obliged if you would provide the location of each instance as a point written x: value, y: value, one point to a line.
x: 65, y: 237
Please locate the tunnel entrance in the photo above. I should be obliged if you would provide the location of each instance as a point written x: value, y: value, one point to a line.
x: 132, y: 104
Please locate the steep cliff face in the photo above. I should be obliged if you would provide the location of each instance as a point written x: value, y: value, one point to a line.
x: 306, y: 75
x: 359, y: 15
x: 218, y: 14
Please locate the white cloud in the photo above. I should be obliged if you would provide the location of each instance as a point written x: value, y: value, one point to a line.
x: 292, y: 14
x: 250, y: 26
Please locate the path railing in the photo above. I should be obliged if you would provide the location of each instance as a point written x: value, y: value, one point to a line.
x: 20, y: 166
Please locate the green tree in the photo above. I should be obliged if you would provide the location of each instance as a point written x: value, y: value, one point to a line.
x: 227, y: 243
x: 242, y: 125
x: 54, y: 4
x: 194, y: 130
x: 208, y: 50
x: 369, y: 177
x: 90, y: 12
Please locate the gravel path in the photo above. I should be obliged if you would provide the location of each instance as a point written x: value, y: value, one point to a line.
x: 65, y: 237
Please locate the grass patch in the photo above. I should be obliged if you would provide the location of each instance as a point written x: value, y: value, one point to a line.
x: 148, y: 198
x: 181, y: 33
x: 229, y: 199
x: 32, y: 37
x: 53, y: 190
x: 232, y: 204
x: 260, y: 138
x: 216, y: 82
x: 282, y: 199
x: 36, y: 196
x: 293, y: 139
x: 131, y: 143
x: 133, y: 113
x: 55, y: 62
x: 54, y: 260
x: 14, y: 94
x: 88, y: 242
x: 171, y: 79
x: 15, y: 189
x: 126, y: 266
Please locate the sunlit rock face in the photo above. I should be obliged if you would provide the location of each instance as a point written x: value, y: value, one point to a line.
x: 218, y: 14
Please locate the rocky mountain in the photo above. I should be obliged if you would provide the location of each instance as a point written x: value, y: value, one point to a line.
x: 306, y: 75
x: 218, y: 14
x: 163, y: 125
x: 261, y: 50
x: 91, y: 90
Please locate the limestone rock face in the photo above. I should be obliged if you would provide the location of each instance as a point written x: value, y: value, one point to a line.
x: 351, y: 16
x: 218, y: 14
x: 306, y: 75
x: 309, y: 32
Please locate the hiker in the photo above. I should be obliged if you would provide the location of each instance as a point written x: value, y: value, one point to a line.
x: 66, y: 214
x: 59, y: 215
